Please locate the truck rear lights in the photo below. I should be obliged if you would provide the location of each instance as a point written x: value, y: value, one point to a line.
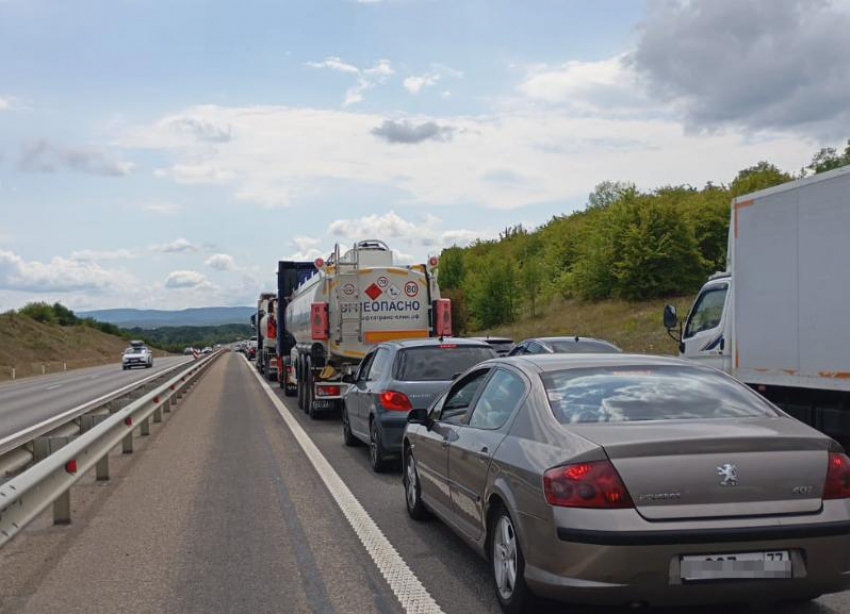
x: 71, y: 466
x: 394, y: 401
x: 594, y: 484
x: 327, y: 391
x: 319, y: 321
x: 837, y: 477
x: 442, y: 311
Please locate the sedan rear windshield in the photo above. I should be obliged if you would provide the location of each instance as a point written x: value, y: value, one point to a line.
x: 628, y: 394
x: 582, y: 347
x: 438, y: 362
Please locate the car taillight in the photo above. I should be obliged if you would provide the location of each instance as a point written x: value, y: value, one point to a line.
x: 837, y: 477
x: 327, y: 391
x: 594, y: 484
x: 394, y: 401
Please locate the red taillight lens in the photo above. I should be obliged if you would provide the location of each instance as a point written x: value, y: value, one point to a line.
x: 837, y: 477
x: 394, y: 401
x: 327, y: 391
x: 594, y: 484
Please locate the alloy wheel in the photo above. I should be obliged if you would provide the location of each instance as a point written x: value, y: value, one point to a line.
x: 505, y: 557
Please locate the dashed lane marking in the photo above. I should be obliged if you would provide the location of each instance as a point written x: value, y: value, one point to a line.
x: 410, y: 592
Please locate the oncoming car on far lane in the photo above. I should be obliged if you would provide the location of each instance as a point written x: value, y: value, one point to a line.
x: 563, y: 345
x: 137, y: 355
x: 395, y: 377
x: 622, y: 479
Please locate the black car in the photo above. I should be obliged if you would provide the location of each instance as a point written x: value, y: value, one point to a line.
x: 564, y: 345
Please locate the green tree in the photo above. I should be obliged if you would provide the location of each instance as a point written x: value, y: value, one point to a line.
x: 452, y: 273
x: 828, y: 159
x: 40, y: 312
x: 64, y: 316
x: 607, y: 193
x: 494, y: 302
x: 531, y: 280
x: 762, y: 175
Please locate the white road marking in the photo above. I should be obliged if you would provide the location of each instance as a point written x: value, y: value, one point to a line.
x: 412, y: 595
x: 53, y: 387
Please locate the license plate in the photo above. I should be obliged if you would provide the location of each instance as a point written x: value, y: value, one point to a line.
x: 322, y: 404
x: 736, y: 566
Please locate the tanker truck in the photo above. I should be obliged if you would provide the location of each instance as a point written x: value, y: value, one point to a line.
x: 265, y: 323
x: 776, y: 319
x: 332, y: 313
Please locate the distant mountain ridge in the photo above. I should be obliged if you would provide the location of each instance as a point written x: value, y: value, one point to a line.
x: 156, y: 318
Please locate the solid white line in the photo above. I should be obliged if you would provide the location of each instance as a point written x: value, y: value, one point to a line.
x: 412, y: 595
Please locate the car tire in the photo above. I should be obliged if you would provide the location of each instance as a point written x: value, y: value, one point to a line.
x: 507, y: 565
x: 376, y: 449
x: 413, y: 489
x: 348, y: 437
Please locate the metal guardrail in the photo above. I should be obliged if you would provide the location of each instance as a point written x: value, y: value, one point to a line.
x: 48, y: 481
x: 30, y: 433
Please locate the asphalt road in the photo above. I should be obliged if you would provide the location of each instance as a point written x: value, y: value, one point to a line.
x: 222, y: 511
x: 29, y: 401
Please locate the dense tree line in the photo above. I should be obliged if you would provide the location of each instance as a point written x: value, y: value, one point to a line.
x: 625, y: 244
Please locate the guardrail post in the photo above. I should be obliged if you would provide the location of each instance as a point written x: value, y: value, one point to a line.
x: 157, y: 414
x: 127, y: 443
x: 62, y: 508
x: 145, y: 427
x: 102, y: 469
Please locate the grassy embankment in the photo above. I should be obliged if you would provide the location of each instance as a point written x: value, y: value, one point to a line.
x: 632, y: 326
x: 26, y: 345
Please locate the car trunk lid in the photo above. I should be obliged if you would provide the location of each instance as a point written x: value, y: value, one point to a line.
x: 682, y: 469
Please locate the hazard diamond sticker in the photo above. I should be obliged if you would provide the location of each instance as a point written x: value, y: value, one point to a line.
x: 393, y: 291
x: 373, y: 291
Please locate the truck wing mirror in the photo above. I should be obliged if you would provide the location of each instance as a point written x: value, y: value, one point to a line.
x: 671, y: 320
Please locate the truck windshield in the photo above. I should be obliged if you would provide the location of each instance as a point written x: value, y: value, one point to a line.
x: 708, y: 311
x: 438, y: 363
x: 637, y: 393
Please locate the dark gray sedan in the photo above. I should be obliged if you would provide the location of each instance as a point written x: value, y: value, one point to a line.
x: 395, y: 377
x: 563, y: 345
x: 621, y: 480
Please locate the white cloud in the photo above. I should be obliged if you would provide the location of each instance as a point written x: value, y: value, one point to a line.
x: 58, y: 275
x: 221, y: 262
x: 600, y: 87
x: 555, y: 153
x: 178, y: 246
x: 367, y: 78
x: 163, y: 208
x: 416, y: 83
x: 187, y: 279
x: 94, y: 255
x: 6, y: 102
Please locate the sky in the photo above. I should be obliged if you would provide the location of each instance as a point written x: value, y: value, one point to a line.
x: 166, y: 155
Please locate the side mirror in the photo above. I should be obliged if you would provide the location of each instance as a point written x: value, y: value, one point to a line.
x: 418, y: 416
x: 348, y: 378
x: 671, y: 319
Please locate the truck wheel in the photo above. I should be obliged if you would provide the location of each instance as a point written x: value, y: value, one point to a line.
x: 300, y: 385
x: 311, y: 411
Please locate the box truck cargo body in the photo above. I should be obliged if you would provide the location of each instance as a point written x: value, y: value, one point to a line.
x: 334, y: 312
x: 778, y: 318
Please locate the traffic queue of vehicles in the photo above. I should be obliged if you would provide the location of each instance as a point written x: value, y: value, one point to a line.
x: 581, y: 473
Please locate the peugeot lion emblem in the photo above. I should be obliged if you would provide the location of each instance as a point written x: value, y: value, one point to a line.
x: 729, y: 473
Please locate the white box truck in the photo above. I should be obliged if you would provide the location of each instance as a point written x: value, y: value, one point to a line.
x: 334, y: 312
x: 778, y: 319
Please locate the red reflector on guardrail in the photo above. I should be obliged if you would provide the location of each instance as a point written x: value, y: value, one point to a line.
x: 128, y: 420
x: 71, y: 466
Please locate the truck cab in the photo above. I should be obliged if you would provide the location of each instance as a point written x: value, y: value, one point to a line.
x: 706, y: 332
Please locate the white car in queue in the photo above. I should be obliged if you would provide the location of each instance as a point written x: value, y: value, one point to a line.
x: 137, y: 355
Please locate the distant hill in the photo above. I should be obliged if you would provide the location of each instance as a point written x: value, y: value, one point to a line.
x: 155, y: 318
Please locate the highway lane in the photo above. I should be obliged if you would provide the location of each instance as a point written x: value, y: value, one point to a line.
x: 29, y: 401
x: 223, y: 512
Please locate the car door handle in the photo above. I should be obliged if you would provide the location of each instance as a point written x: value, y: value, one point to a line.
x: 485, y: 450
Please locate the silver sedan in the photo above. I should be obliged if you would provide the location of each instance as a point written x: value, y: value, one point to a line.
x: 619, y: 479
